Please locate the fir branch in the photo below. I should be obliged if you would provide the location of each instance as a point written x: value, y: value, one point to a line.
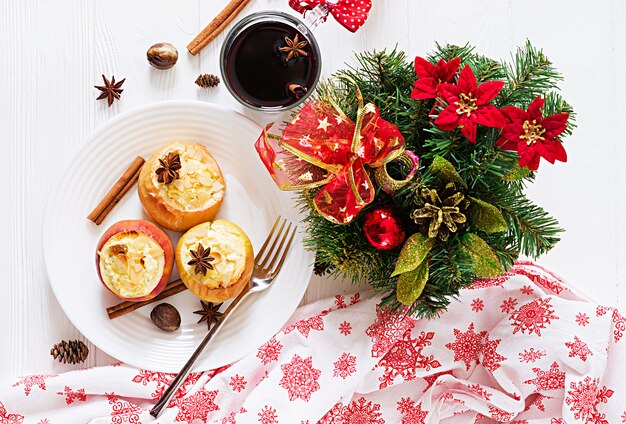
x: 529, y: 75
x: 534, y: 229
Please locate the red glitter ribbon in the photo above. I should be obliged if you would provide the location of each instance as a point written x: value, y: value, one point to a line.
x: 352, y: 14
x: 321, y: 146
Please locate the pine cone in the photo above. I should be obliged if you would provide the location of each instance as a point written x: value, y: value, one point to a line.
x: 207, y: 80
x: 322, y: 268
x: 73, y: 352
x: 442, y: 211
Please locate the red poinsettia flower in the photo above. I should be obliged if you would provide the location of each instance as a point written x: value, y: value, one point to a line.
x: 532, y: 135
x: 468, y: 105
x: 430, y: 76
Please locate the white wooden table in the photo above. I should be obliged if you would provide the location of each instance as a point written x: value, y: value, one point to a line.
x: 53, y: 52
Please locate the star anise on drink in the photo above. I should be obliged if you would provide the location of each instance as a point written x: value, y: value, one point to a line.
x: 201, y: 259
x: 111, y: 90
x: 294, y: 48
x: 170, y: 165
x: 209, y: 313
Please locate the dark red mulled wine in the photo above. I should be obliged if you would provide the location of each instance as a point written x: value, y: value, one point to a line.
x: 269, y: 64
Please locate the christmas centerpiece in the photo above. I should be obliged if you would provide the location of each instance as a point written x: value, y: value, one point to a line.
x: 412, y: 174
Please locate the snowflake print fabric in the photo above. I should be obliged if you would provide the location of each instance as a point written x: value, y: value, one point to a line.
x: 522, y: 348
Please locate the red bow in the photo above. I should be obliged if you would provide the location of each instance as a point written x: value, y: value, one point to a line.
x: 321, y: 146
x: 349, y: 13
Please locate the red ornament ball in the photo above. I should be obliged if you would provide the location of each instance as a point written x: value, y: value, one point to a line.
x: 382, y: 228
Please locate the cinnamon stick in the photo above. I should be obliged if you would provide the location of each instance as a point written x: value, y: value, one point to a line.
x: 123, y: 308
x: 117, y: 192
x: 217, y: 25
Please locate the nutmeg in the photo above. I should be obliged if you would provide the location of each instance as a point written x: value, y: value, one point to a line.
x: 166, y: 317
x: 162, y: 55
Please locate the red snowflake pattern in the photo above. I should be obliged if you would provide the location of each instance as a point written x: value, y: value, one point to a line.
x: 345, y: 366
x: 405, y: 405
x: 269, y: 351
x: 527, y: 290
x: 268, y: 415
x: 306, y: 325
x: 477, y: 305
x: 197, y: 406
x: 508, y: 305
x: 552, y: 379
x: 345, y: 328
x: 500, y: 415
x: 123, y: 411
x: 362, y: 412
x: 163, y: 380
x: 71, y: 395
x: 578, y: 348
x: 480, y: 391
x: 300, y: 378
x: 538, y: 403
x: 405, y: 358
x: 467, y: 345
x: 411, y: 413
x: 482, y: 283
x: 42, y: 421
x: 386, y: 330
x: 531, y: 355
x: 623, y: 417
x: 582, y: 319
x: 7, y: 418
x: 619, y: 323
x: 539, y: 277
x: 533, y: 316
x: 31, y: 381
x: 355, y: 298
x: 602, y: 310
x: 238, y: 383
x: 557, y: 421
x: 431, y: 379
x: 340, y: 302
x: 491, y: 359
x: 584, y: 397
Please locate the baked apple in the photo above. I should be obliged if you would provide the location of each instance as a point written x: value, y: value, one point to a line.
x: 134, y: 259
x: 181, y: 185
x: 215, y: 260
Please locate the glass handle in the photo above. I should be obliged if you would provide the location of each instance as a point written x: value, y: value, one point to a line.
x: 314, y: 17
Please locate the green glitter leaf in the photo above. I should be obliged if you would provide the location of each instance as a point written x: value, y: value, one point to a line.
x: 444, y: 171
x: 413, y: 253
x: 516, y: 174
x: 411, y: 284
x: 486, y: 263
x: 486, y: 217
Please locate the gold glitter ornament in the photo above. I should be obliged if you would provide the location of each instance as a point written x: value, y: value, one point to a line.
x: 441, y: 211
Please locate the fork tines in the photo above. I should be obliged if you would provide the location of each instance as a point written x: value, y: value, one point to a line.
x: 273, y: 252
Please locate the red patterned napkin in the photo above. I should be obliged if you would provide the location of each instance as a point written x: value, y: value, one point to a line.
x: 521, y: 348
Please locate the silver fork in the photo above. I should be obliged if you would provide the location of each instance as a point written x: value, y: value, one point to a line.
x: 267, y: 264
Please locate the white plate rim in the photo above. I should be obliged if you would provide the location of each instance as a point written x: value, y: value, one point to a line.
x: 91, y: 140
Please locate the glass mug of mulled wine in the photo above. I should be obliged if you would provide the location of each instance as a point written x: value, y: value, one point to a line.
x: 270, y: 61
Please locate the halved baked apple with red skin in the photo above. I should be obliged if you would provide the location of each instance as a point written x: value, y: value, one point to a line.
x: 135, y: 259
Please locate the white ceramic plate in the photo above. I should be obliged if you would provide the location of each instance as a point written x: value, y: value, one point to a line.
x: 252, y: 201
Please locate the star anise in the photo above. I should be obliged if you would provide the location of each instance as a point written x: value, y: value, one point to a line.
x: 441, y: 212
x: 294, y: 48
x: 170, y: 165
x: 209, y: 313
x: 110, y: 90
x: 201, y: 259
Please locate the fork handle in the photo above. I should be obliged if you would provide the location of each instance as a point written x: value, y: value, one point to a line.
x: 184, y: 372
